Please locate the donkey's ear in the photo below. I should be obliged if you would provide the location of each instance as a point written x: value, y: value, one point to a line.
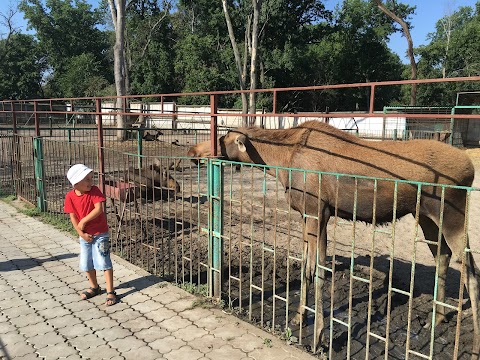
x: 240, y: 141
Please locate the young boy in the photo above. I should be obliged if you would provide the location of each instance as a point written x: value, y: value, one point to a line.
x: 84, y: 204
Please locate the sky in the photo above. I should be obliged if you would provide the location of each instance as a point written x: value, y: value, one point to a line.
x: 428, y: 12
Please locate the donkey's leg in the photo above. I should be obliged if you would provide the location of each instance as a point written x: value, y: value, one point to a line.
x: 430, y: 230
x: 307, y: 273
x: 454, y: 235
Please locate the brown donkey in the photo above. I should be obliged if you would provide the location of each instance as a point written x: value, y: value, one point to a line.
x: 318, y: 146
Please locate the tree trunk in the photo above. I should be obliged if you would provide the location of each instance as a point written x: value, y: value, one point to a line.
x: 411, y: 56
x: 238, y: 60
x: 117, y: 9
x: 254, y: 60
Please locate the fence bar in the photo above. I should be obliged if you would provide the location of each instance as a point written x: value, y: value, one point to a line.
x: 215, y: 184
x: 39, y: 173
x: 101, y: 160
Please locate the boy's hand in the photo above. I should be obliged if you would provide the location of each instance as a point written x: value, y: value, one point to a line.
x: 86, y: 237
x: 81, y: 225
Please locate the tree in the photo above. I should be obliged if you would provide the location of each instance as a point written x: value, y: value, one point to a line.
x: 64, y: 31
x: 406, y: 31
x: 22, y: 65
x: 117, y: 9
x: 149, y: 44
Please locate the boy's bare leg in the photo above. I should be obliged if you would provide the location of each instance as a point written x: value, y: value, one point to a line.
x: 92, y: 279
x: 109, y: 286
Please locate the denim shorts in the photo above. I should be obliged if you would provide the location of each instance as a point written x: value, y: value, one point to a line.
x: 95, y: 255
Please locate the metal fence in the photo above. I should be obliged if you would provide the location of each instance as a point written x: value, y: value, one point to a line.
x: 229, y: 227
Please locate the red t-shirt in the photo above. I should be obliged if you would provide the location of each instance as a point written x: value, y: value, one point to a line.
x: 82, y: 205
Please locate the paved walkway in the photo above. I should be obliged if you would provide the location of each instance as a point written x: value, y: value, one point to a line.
x: 43, y: 317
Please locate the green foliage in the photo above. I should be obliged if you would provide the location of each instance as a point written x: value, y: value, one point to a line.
x: 21, y: 65
x: 66, y: 31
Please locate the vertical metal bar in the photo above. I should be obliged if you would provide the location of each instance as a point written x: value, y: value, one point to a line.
x: 437, y: 265
x: 37, y: 118
x: 213, y: 124
x: 39, y: 173
x: 215, y: 185
x: 101, y: 160
x: 390, y: 270
x: 412, y: 273
x: 452, y: 125
x: 139, y: 147
x: 372, y: 99
x: 14, y: 118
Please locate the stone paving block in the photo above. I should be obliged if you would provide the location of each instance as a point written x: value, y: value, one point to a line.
x: 10, y: 294
x: 114, y: 333
x: 19, y: 310
x: 26, y: 320
x: 126, y: 315
x: 101, y: 323
x: 152, y: 333
x: 57, y: 351
x: 102, y: 352
x: 119, y: 306
x: 86, y: 341
x: 11, y: 303
x: 175, y: 323
x: 33, y: 356
x: 196, y: 314
x: 89, y: 314
x: 20, y: 349
x: 207, y: 343
x: 210, y: 322
x: 146, y: 352
x: 226, y: 352
x: 137, y: 324
x: 5, y: 326
x: 161, y: 314
x: 37, y: 295
x: 247, y: 342
x: 36, y: 329
x: 181, y: 304
x: 80, y: 305
x: 127, y: 344
x: 147, y: 306
x: 135, y: 298
x: 54, y: 284
x: 73, y: 331
x: 63, y: 321
x: 167, y: 344
x: 41, y: 341
x: 67, y: 298
x: 185, y: 352
x: 11, y: 337
x: 54, y: 312
x: 44, y: 304
x: 190, y: 333
x: 167, y: 297
x: 228, y: 331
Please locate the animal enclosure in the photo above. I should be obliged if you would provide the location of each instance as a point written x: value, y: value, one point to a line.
x: 223, y: 225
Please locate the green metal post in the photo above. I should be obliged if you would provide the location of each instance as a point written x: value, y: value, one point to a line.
x: 452, y: 124
x: 39, y: 173
x: 215, y: 187
x: 139, y: 147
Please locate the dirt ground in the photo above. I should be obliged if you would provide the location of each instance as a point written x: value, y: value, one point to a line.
x: 262, y: 254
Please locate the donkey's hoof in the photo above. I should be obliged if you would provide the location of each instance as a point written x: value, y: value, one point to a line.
x: 298, y: 319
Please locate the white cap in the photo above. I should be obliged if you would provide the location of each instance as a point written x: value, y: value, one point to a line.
x: 77, y: 173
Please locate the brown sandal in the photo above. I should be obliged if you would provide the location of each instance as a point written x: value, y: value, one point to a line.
x: 111, y: 300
